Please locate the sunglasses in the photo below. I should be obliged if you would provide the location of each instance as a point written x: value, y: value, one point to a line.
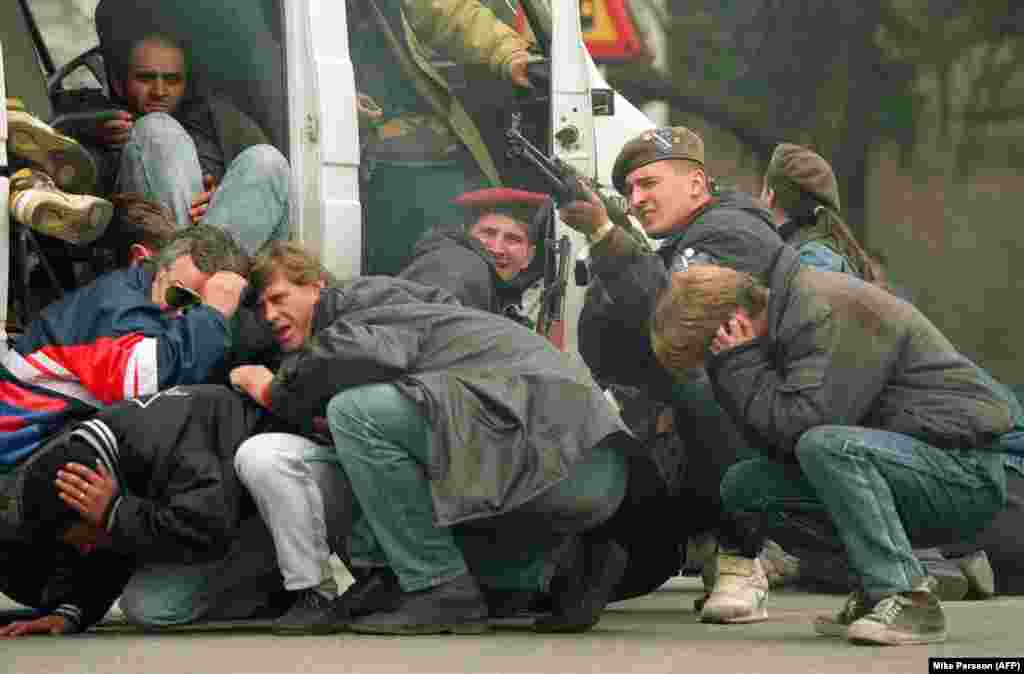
x: 180, y: 297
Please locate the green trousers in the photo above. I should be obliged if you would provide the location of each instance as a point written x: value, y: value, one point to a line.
x: 383, y: 442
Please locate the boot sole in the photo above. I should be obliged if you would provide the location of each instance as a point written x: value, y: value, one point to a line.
x: 63, y: 159
x: 757, y: 616
x: 321, y: 630
x: 417, y: 630
x: 77, y: 225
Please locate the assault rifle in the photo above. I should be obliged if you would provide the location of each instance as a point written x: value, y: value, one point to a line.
x: 566, y: 186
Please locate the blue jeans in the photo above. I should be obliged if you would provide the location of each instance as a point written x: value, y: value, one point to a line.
x: 234, y: 587
x: 251, y: 201
x: 882, y: 491
x: 383, y: 442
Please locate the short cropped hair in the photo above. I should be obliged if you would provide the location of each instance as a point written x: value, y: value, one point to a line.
x: 295, y: 262
x: 124, y: 43
x: 689, y: 313
x: 212, y: 250
x: 137, y: 220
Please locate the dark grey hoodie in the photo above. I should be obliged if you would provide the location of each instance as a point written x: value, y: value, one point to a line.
x: 450, y: 258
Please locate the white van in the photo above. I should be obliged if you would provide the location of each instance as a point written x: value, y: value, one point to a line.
x: 287, y: 64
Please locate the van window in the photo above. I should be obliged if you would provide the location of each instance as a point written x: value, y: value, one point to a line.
x: 68, y: 30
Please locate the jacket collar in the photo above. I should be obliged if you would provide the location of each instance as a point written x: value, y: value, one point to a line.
x: 780, y: 279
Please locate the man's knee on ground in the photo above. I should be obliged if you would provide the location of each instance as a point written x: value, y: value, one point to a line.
x: 153, y: 610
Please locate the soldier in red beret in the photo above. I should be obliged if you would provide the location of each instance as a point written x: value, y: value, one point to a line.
x: 483, y: 262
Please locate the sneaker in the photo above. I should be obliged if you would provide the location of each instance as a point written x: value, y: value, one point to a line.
x: 311, y: 613
x: 36, y: 202
x: 454, y: 607
x: 586, y: 588
x: 855, y: 608
x: 739, y: 593
x: 780, y: 567
x: 903, y: 619
x: 64, y: 159
x: 374, y: 591
x: 981, y: 579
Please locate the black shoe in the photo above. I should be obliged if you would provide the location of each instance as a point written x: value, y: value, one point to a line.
x: 375, y: 591
x: 312, y: 613
x: 585, y: 587
x: 455, y: 607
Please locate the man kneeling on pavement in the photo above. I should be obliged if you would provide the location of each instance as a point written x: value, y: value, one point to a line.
x: 863, y: 410
x: 146, y: 493
x: 474, y: 450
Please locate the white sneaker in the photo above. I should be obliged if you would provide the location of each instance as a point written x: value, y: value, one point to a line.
x: 739, y: 593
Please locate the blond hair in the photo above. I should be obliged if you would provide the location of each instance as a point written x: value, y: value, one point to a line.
x: 293, y: 261
x: 697, y: 302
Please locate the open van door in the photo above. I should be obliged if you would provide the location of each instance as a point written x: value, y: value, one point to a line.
x: 5, y: 225
x: 590, y: 122
x: 287, y: 63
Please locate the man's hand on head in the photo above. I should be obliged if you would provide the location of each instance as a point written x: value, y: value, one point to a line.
x: 223, y: 291
x: 88, y: 492
x: 737, y: 331
x: 254, y: 381
x: 51, y: 624
x: 201, y: 203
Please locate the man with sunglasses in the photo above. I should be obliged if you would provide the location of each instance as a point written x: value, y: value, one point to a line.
x: 122, y: 336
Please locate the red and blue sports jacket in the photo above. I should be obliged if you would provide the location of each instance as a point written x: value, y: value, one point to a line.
x: 98, y: 345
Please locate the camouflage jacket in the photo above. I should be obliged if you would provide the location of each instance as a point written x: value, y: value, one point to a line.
x: 468, y: 32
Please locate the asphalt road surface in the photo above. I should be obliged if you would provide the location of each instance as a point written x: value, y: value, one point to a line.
x: 657, y: 633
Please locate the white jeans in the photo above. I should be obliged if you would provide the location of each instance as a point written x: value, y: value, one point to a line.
x: 303, y: 495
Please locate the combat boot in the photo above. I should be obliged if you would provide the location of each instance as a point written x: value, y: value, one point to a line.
x: 740, y: 591
x: 36, y: 202
x: 903, y: 619
x: 60, y: 157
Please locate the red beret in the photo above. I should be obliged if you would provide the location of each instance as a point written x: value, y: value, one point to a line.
x: 519, y: 205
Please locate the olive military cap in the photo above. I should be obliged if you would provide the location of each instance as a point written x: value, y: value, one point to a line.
x: 806, y: 169
x: 668, y: 142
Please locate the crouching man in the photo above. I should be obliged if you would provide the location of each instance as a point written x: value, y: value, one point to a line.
x: 474, y: 451
x: 145, y: 491
x: 868, y: 414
